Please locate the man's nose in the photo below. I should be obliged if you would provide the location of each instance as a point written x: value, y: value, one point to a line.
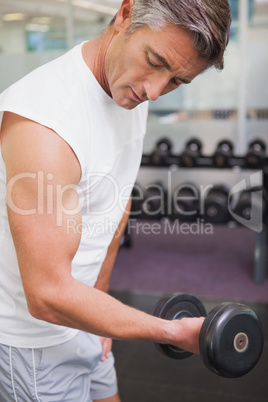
x: 155, y: 88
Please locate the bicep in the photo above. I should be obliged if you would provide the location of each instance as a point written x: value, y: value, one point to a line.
x: 45, y: 248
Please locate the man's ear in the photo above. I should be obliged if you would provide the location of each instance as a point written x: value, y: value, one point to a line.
x: 124, y: 14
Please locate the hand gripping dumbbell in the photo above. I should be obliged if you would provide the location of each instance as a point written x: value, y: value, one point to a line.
x: 231, y: 337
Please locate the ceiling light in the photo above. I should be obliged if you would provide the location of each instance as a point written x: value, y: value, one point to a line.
x: 99, y: 8
x: 13, y: 17
x: 41, y: 20
x: 37, y: 28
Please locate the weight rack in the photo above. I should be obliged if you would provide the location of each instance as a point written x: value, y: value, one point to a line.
x: 170, y: 160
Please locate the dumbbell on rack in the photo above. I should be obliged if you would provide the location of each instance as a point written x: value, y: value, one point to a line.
x: 249, y: 200
x: 162, y: 152
x: 154, y: 201
x: 231, y: 337
x: 223, y: 153
x: 137, y: 200
x: 191, y: 153
x: 255, y: 156
x: 216, y: 205
x: 185, y: 202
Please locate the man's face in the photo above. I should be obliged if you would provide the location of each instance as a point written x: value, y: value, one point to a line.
x: 149, y: 64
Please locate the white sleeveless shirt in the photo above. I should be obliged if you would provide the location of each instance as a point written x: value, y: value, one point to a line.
x: 107, y: 140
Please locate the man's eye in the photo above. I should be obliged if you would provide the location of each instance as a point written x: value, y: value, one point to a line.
x: 176, y: 82
x: 153, y: 63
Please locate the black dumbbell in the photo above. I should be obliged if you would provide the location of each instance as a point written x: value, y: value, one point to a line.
x: 246, y: 203
x: 137, y: 196
x: 231, y: 337
x: 223, y: 153
x: 216, y: 205
x: 185, y: 202
x: 191, y: 153
x: 256, y: 154
x: 154, y: 204
x: 161, y: 152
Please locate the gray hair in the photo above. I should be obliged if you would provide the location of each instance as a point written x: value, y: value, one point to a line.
x: 208, y: 22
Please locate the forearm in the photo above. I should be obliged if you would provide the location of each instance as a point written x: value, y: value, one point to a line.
x: 103, y: 280
x: 79, y: 306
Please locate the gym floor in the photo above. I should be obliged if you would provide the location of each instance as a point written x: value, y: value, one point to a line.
x: 145, y: 375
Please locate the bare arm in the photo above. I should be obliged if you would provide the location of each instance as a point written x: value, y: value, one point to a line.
x: 104, y: 276
x: 45, y: 249
x: 107, y: 266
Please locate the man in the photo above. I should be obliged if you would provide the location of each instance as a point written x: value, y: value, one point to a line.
x: 71, y: 144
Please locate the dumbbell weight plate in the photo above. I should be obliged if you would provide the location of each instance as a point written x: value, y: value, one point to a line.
x: 256, y: 153
x: 216, y: 205
x: 162, y: 151
x: 154, y: 201
x: 137, y: 199
x: 231, y: 340
x: 164, y: 145
x: 186, y: 202
x: 226, y: 146
x: 223, y: 153
x: 194, y: 144
x: 191, y: 153
x: 175, y: 307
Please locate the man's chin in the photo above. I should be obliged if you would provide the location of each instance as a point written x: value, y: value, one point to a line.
x: 126, y: 103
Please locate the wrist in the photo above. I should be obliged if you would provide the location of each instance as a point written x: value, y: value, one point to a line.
x: 170, y: 332
x: 183, y: 333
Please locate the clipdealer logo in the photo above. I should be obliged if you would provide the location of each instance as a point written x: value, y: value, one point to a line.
x: 255, y: 221
x: 50, y: 199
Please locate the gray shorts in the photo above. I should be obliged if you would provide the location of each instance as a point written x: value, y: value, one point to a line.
x: 71, y: 371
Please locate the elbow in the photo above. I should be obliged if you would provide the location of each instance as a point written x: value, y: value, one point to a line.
x: 37, y: 312
x: 40, y: 308
x: 49, y: 302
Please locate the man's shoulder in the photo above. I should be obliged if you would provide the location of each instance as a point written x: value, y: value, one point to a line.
x: 30, y: 147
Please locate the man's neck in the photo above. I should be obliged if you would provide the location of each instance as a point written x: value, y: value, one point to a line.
x: 94, y: 54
